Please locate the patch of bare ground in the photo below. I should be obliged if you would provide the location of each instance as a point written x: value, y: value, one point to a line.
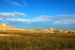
x: 8, y: 35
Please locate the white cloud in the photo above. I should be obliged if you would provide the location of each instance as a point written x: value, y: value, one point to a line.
x: 65, y: 19
x: 19, y: 20
x: 38, y: 19
x: 1, y: 19
x: 9, y: 14
x: 18, y: 4
x: 67, y: 15
x: 42, y: 18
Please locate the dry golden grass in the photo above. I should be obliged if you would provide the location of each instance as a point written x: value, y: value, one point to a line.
x: 36, y: 41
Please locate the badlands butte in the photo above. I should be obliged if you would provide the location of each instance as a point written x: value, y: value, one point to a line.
x: 5, y: 27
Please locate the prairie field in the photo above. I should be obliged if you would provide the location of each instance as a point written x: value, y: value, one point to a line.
x: 21, y: 40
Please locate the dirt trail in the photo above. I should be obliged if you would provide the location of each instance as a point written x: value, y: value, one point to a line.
x: 8, y: 35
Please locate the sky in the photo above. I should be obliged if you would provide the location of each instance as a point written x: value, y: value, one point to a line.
x: 38, y: 14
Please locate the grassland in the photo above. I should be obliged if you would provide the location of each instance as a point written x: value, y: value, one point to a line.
x: 36, y: 41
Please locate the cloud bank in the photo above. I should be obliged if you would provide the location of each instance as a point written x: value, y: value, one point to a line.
x: 11, y: 14
x: 65, y: 19
x: 59, y: 19
x: 37, y: 19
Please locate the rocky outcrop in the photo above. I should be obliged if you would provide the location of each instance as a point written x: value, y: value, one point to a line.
x: 4, y: 27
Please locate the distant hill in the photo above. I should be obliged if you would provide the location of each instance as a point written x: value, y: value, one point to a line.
x: 6, y: 27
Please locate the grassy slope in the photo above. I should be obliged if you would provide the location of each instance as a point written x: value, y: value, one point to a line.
x: 36, y: 41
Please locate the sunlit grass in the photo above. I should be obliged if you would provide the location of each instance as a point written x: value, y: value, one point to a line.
x: 36, y: 41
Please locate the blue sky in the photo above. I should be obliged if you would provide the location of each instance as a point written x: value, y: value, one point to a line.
x: 38, y: 14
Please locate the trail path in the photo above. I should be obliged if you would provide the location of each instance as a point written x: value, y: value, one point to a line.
x: 8, y: 35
